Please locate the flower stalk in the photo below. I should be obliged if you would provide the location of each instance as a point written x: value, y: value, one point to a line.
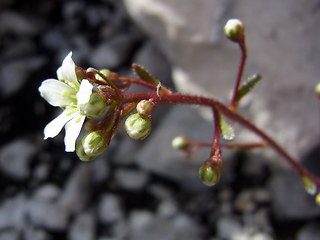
x: 102, y: 97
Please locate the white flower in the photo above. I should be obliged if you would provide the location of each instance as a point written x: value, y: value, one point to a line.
x: 67, y: 93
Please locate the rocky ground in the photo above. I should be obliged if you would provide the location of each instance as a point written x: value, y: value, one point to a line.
x: 136, y: 190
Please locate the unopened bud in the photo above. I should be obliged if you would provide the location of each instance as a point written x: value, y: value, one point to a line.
x: 317, y: 89
x: 234, y: 30
x: 145, y: 107
x: 317, y: 199
x: 209, y: 173
x: 309, y: 185
x: 95, y: 107
x: 138, y: 126
x: 180, y: 143
x: 105, y: 72
x: 91, y: 146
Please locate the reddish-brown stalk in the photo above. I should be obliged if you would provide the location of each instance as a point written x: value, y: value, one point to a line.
x: 177, y: 98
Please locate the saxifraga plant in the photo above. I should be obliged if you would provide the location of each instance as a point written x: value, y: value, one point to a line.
x: 101, y: 96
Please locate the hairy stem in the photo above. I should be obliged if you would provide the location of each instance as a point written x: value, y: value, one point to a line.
x: 243, y: 48
x: 176, y: 98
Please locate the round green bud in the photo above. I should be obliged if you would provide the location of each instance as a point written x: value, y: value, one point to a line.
x: 145, y: 107
x: 309, y: 186
x: 105, y: 72
x: 95, y: 107
x: 91, y: 146
x: 317, y: 89
x: 179, y: 142
x: 209, y: 174
x: 317, y: 199
x: 138, y: 126
x: 81, y: 153
x: 234, y: 30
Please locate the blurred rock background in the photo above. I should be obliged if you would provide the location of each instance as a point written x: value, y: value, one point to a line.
x: 146, y: 190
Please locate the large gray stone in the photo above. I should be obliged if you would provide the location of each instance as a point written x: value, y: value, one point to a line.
x: 289, y: 199
x: 15, y: 158
x: 283, y: 47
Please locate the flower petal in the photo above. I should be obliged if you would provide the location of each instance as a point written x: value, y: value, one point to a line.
x: 57, y: 93
x: 54, y: 127
x: 85, y: 92
x: 73, y: 129
x: 67, y: 72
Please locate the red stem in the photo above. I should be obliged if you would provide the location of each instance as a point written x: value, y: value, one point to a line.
x: 243, y: 48
x: 213, y: 103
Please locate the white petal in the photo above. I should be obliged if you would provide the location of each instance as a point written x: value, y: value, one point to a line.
x: 54, y: 127
x: 85, y: 92
x: 57, y: 93
x: 67, y: 71
x: 73, y: 129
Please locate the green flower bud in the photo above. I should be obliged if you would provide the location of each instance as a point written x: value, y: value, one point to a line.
x: 309, y: 186
x: 317, y: 199
x: 81, y: 153
x: 105, y: 72
x: 317, y: 89
x: 95, y: 107
x: 209, y: 174
x: 138, y: 126
x: 145, y: 107
x: 234, y: 30
x: 91, y: 146
x: 180, y: 143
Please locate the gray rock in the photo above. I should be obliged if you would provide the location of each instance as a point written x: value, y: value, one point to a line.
x: 15, y: 158
x: 205, y: 62
x: 100, y: 169
x: 31, y: 233
x: 167, y: 208
x: 47, y: 192
x: 19, y: 48
x: 54, y: 39
x: 48, y: 215
x: 55, y: 215
x: 310, y: 231
x: 14, y: 73
x: 109, y: 209
x: 113, y: 53
x: 144, y: 225
x: 289, y: 199
x: 77, y: 190
x: 228, y: 227
x: 132, y: 180
x: 15, y: 23
x: 83, y: 227
x: 124, y: 151
x: 9, y: 235
x: 12, y: 212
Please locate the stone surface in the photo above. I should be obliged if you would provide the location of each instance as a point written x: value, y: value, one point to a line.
x: 15, y: 158
x: 309, y: 232
x: 289, y: 199
x: 144, y: 225
x: 109, y: 209
x: 83, y: 227
x: 12, y: 212
x: 113, y: 53
x: 282, y: 47
x: 14, y: 73
x: 132, y: 180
